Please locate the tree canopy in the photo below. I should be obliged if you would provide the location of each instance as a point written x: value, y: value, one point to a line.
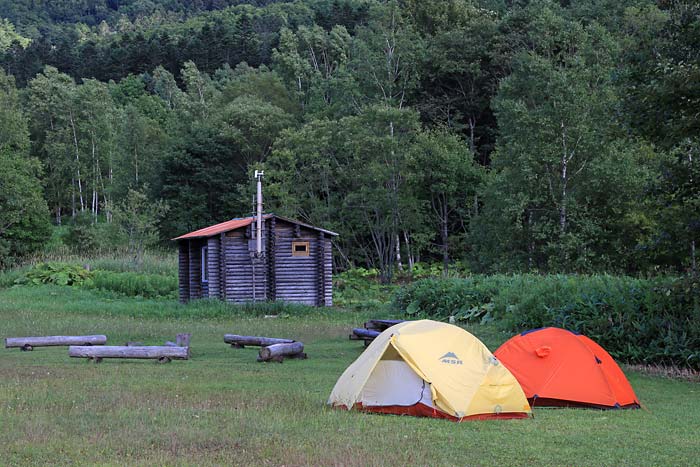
x: 536, y: 135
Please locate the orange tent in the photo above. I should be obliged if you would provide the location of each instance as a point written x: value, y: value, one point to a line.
x: 556, y: 367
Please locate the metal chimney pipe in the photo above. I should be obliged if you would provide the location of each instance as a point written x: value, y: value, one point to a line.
x: 258, y: 176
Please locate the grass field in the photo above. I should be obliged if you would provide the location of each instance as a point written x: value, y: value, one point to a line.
x: 223, y: 408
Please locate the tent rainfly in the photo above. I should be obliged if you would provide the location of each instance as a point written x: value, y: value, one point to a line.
x: 561, y: 368
x: 432, y: 369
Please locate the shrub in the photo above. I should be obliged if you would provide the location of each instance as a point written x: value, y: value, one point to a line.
x: 647, y: 321
x: 463, y: 299
x: 56, y: 273
x: 360, y: 288
x: 135, y: 284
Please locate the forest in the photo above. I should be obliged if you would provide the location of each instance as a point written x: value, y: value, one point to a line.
x: 489, y: 136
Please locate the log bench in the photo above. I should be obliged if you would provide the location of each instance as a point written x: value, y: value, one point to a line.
x: 239, y: 342
x: 381, y: 324
x: 278, y: 352
x: 366, y: 335
x: 372, y: 329
x: 161, y: 353
x: 28, y: 343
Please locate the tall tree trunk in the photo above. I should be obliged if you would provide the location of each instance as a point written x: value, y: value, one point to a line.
x: 565, y: 158
x: 108, y: 205
x: 562, y: 206
x: 530, y: 242
x: 445, y: 238
x: 472, y: 138
x: 77, y: 161
x: 393, y: 235
x: 399, y: 264
x: 409, y: 252
x: 136, y: 165
x: 693, y: 262
x: 72, y: 197
x: 95, y: 195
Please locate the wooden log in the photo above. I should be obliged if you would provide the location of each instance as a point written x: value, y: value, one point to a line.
x: 382, y: 324
x: 365, y: 333
x: 278, y: 352
x: 183, y: 340
x: 117, y: 351
x: 28, y: 343
x: 241, y: 341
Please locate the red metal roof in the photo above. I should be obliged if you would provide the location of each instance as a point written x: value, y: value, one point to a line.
x: 218, y: 228
x: 234, y: 224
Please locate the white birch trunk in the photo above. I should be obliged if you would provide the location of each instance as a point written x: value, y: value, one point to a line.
x: 77, y: 161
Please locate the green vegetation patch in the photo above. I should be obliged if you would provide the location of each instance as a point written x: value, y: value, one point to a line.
x: 134, y: 284
x: 222, y: 407
x: 636, y: 320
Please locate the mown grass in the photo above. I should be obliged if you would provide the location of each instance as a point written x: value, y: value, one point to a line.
x: 223, y: 408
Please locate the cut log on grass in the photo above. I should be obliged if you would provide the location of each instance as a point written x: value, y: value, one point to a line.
x: 241, y: 341
x: 382, y: 324
x: 160, y: 353
x: 279, y: 352
x: 361, y: 334
x: 183, y: 340
x: 28, y: 343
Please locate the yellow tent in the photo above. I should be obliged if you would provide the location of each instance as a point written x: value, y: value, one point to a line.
x: 427, y: 368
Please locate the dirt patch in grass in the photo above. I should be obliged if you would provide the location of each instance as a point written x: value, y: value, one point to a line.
x: 663, y: 371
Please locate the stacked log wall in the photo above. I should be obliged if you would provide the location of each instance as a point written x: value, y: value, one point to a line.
x: 183, y: 272
x: 328, y: 271
x: 195, y: 268
x: 296, y: 277
x: 213, y: 267
x: 271, y: 245
x: 239, y: 270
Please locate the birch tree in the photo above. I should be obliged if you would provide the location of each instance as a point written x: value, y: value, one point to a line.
x: 557, y: 132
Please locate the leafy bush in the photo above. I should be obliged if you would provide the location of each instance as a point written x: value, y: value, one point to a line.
x: 360, y: 288
x: 56, y: 273
x: 11, y: 277
x: 136, y: 284
x: 637, y: 320
x: 463, y: 299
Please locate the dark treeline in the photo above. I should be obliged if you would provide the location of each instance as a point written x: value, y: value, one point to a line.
x: 507, y: 135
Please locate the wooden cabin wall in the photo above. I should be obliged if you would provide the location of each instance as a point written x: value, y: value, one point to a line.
x: 183, y: 271
x: 279, y: 276
x: 239, y: 281
x: 214, y: 267
x: 270, y: 272
x: 326, y: 274
x: 296, y: 277
x: 195, y: 267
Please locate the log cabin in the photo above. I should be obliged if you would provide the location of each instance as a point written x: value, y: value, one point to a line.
x: 291, y: 263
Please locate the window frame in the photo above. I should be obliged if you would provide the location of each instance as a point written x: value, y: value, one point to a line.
x: 301, y: 254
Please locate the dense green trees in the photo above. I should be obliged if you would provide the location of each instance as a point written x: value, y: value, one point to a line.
x: 24, y: 225
x: 540, y: 135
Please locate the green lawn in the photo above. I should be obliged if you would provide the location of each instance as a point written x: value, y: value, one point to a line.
x: 223, y: 408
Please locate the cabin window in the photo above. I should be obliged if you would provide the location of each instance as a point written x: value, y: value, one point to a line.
x: 300, y: 248
x: 205, y: 269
